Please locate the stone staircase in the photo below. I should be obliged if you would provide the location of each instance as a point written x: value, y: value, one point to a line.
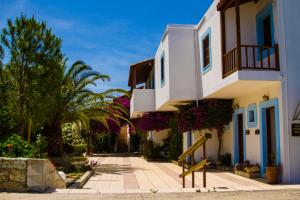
x: 122, y: 140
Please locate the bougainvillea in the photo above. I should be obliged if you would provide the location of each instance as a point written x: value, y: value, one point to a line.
x: 208, y: 114
x: 155, y: 121
x: 124, y: 101
x: 114, y: 127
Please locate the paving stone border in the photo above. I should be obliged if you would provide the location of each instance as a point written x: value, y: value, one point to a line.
x: 79, y: 183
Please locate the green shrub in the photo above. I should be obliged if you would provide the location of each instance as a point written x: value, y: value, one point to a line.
x: 225, y: 159
x: 41, y: 145
x: 135, y: 141
x: 152, y: 151
x: 173, y: 143
x: 79, y: 149
x: 104, y: 143
x: 15, y: 146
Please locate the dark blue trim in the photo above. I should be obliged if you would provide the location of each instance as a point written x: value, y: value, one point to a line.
x: 267, y: 11
x: 263, y: 140
x: 236, y: 141
x: 207, y: 68
x: 253, y: 108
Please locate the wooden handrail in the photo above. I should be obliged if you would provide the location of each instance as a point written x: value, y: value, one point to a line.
x: 202, y: 165
x: 253, y: 57
x: 192, y: 148
x: 197, y: 167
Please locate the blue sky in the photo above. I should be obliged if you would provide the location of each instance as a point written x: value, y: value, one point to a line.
x: 109, y: 35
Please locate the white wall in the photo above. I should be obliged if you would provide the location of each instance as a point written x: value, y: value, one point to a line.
x: 178, y: 46
x: 289, y: 42
x: 142, y: 100
x: 182, y: 64
x: 162, y: 94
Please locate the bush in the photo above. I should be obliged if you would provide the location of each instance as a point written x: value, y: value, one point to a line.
x: 41, y: 144
x: 15, y: 146
x: 173, y: 143
x: 135, y: 140
x: 152, y: 151
x: 104, y: 143
x: 79, y: 149
x: 74, y: 165
x: 225, y: 159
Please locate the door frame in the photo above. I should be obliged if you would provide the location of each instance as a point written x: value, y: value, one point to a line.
x: 263, y: 140
x: 236, y: 139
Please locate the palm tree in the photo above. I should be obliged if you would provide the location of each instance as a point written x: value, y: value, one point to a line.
x: 78, y: 103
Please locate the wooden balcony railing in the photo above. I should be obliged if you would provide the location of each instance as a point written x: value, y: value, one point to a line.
x: 253, y: 57
x: 201, y: 165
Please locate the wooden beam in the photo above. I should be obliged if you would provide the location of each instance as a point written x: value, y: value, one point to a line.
x: 238, y: 33
x: 223, y: 38
x: 134, y: 78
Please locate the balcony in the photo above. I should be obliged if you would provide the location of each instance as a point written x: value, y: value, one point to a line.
x: 142, y: 100
x: 251, y: 57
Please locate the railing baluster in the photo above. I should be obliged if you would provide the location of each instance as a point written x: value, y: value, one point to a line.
x: 269, y: 59
x: 254, y: 57
x: 261, y: 57
x: 277, y: 67
x: 247, y: 64
x: 231, y: 57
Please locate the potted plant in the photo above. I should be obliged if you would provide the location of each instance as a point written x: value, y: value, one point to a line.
x: 272, y: 171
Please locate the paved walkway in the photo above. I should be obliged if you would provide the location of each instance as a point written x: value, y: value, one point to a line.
x: 266, y: 195
x: 136, y: 175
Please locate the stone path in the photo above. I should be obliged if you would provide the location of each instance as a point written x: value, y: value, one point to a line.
x: 136, y: 175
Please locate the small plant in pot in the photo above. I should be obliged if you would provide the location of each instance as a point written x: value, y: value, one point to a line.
x: 273, y: 171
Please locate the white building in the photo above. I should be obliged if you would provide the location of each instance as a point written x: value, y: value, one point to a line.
x: 246, y: 52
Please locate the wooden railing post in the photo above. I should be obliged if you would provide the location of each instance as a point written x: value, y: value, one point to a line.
x: 204, y: 168
x: 183, y: 178
x: 193, y: 173
x: 277, y: 63
x: 238, y: 33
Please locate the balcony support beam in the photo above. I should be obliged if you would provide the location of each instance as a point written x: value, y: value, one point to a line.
x: 134, y: 79
x: 238, y: 32
x: 223, y: 38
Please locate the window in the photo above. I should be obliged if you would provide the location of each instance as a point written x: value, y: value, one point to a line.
x: 252, y: 116
x: 162, y: 70
x: 265, y: 30
x: 206, y: 51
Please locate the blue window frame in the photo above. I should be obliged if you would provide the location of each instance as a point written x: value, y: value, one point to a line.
x: 252, y: 116
x: 206, y: 52
x: 265, y: 30
x: 162, y: 69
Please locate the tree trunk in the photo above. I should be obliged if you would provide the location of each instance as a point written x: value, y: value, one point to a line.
x: 88, y: 150
x: 220, y: 134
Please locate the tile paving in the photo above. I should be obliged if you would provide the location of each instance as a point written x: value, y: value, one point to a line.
x: 136, y: 175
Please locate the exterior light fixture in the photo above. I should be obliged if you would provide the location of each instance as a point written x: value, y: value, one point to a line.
x: 265, y: 97
x: 236, y: 106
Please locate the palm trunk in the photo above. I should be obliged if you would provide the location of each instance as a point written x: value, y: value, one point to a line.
x: 55, y: 139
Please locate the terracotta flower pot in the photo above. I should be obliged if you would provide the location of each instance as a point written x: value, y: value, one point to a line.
x: 273, y: 174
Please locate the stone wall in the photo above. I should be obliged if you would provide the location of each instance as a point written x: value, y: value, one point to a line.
x: 25, y: 174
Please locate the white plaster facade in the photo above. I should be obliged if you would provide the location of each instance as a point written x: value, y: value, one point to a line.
x: 185, y: 81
